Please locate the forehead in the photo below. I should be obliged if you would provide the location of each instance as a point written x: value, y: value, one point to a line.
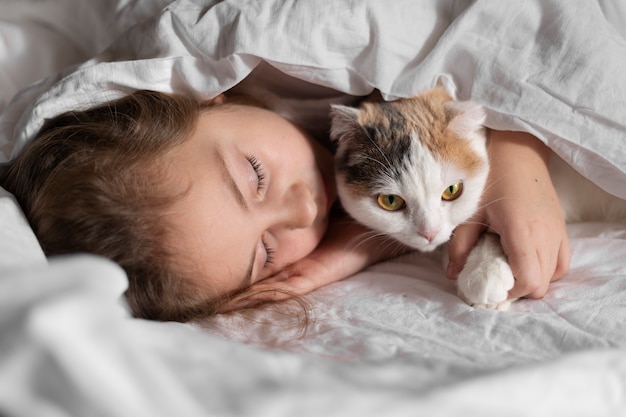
x: 247, y: 115
x: 394, y: 126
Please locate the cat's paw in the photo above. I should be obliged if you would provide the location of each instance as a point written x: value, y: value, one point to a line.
x: 487, y: 286
x: 486, y: 279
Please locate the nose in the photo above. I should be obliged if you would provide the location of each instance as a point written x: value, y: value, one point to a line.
x: 297, y: 209
x: 429, y: 235
x: 429, y: 224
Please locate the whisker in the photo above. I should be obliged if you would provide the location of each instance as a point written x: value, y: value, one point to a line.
x: 487, y: 204
x: 478, y: 223
x: 369, y: 158
x: 373, y: 142
x: 368, y: 236
x: 494, y: 182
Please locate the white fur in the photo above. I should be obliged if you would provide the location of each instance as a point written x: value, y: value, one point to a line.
x: 487, y: 277
x: 426, y: 212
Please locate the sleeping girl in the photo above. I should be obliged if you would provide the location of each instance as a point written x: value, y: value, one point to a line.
x: 216, y: 205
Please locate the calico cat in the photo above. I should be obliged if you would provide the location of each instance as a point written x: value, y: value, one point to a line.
x: 415, y: 168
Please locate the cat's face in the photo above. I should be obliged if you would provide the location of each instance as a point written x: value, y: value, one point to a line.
x: 413, y: 169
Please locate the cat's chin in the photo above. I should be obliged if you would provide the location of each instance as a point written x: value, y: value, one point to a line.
x: 429, y: 247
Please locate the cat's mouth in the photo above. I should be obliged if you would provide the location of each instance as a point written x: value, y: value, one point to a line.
x: 424, y: 243
x: 429, y: 247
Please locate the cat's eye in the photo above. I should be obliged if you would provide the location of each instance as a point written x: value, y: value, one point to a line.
x: 452, y: 192
x: 390, y: 202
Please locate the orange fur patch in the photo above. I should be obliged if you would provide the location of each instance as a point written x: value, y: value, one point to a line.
x: 427, y: 116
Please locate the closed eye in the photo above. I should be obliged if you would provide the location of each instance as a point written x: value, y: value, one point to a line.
x: 261, y: 184
x: 260, y: 172
x: 269, y: 259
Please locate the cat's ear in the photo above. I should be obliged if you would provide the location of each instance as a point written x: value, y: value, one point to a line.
x: 468, y: 117
x: 344, y: 122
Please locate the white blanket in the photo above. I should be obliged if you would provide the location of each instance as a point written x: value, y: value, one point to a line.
x: 393, y: 340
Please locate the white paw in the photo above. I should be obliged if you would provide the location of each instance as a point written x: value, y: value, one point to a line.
x: 487, y: 277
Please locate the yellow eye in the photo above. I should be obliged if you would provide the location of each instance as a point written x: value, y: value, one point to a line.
x: 390, y: 202
x: 452, y: 192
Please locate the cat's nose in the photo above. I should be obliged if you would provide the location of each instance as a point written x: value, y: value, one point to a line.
x: 430, y: 234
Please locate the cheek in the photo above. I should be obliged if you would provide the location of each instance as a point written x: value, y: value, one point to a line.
x: 462, y: 209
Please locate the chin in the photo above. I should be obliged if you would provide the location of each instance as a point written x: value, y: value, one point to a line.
x: 418, y: 244
x: 429, y: 247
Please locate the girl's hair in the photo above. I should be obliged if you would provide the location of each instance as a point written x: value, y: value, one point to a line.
x: 92, y: 181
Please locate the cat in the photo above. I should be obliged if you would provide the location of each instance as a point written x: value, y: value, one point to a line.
x: 415, y: 168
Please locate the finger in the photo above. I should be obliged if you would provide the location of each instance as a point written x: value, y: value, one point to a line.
x: 463, y: 240
x: 281, y: 290
x: 564, y: 260
x: 278, y: 277
x: 553, y: 266
x: 530, y: 278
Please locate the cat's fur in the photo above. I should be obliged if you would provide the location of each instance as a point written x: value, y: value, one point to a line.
x: 416, y: 148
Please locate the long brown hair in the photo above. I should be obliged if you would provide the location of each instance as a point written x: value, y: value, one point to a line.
x: 91, y: 181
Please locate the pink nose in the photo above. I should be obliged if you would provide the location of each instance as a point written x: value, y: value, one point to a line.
x: 429, y: 235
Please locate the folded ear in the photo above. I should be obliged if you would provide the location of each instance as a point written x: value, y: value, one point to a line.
x: 468, y: 117
x: 344, y: 123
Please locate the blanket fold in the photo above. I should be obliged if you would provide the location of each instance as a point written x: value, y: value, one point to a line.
x: 528, y: 63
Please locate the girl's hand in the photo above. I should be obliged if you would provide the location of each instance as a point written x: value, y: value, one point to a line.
x: 521, y: 205
x: 347, y: 248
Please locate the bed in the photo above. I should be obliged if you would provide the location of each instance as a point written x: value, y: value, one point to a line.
x: 392, y: 340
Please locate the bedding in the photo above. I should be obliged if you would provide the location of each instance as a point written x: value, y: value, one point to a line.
x: 392, y: 340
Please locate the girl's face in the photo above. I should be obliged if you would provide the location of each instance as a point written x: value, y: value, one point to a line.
x: 259, y: 196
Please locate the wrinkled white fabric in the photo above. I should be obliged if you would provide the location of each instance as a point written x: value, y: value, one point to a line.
x: 530, y: 63
x: 393, y: 340
x: 18, y: 245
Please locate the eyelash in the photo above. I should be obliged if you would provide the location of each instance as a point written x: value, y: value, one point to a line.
x: 270, y: 254
x: 258, y: 169
x: 260, y: 173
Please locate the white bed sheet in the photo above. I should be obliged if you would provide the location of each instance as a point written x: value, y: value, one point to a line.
x: 393, y: 340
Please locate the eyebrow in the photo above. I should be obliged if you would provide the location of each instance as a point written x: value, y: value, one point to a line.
x: 232, y: 185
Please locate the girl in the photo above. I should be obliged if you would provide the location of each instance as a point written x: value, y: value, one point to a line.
x: 196, y: 201
x: 208, y: 206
